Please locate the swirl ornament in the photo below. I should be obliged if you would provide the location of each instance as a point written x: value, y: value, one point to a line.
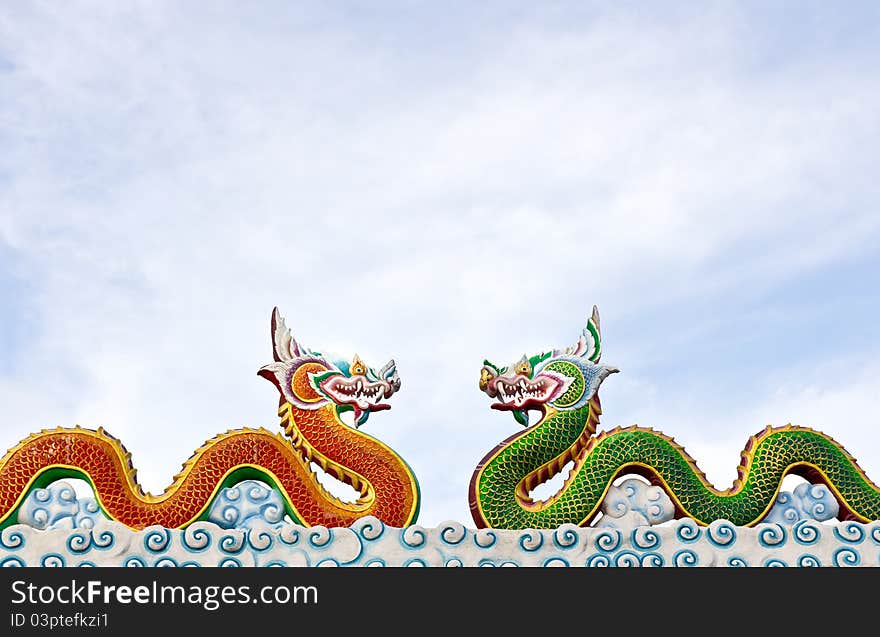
x: 230, y: 562
x: 553, y: 562
x: 415, y: 562
x: 562, y: 385
x: 414, y: 537
x: 627, y: 559
x: 721, y: 533
x: 157, y: 539
x: 846, y: 557
x: 850, y: 532
x: 773, y: 562
x: 319, y: 537
x: 634, y: 503
x: 233, y: 542
x: 770, y: 535
x: 653, y: 560
x: 12, y: 562
x: 608, y: 540
x: 566, y: 536
x: 88, y: 515
x: 485, y: 538
x: 531, y: 540
x: 687, y: 531
x: 818, y: 501
x: 289, y: 535
x: 685, y: 557
x: 102, y: 540
x: 53, y: 506
x: 807, y: 544
x: 644, y: 538
x: 79, y: 542
x: 806, y: 502
x: 166, y: 562
x: 250, y: 503
x: 452, y: 532
x: 52, y: 560
x: 598, y: 560
x: 315, y: 391
x: 260, y: 539
x: 808, y: 560
x: 806, y: 533
x: 369, y: 528
x: 197, y: 538
x: 11, y: 539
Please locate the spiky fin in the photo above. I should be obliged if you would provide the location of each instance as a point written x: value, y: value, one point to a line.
x: 388, y: 370
x: 589, y: 345
x: 498, y: 370
x: 285, y: 346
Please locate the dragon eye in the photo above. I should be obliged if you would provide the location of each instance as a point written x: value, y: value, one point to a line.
x: 357, y: 367
x: 523, y: 368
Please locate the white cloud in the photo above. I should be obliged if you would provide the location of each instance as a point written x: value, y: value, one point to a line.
x: 172, y: 176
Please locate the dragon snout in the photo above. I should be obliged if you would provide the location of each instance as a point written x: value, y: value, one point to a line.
x: 393, y: 386
x: 487, y: 375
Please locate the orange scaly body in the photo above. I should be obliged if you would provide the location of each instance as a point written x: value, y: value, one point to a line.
x: 388, y: 490
x: 310, y: 408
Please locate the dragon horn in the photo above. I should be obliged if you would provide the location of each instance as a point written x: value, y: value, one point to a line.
x: 387, y: 369
x: 285, y: 346
x: 589, y: 344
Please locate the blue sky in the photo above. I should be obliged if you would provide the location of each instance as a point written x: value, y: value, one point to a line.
x: 440, y: 186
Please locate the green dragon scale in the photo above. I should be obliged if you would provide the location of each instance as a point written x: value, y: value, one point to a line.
x: 562, y: 385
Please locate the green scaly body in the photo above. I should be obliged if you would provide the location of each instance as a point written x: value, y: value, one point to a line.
x: 501, y: 482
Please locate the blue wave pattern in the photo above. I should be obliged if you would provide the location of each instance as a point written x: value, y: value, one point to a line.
x: 57, y: 507
x: 247, y: 505
x: 635, y: 503
x: 247, y: 527
x: 253, y: 504
x: 806, y: 502
x: 370, y: 543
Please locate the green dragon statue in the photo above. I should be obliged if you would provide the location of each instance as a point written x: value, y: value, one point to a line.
x: 562, y: 385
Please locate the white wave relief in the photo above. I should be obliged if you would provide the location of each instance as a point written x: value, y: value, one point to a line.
x: 57, y: 529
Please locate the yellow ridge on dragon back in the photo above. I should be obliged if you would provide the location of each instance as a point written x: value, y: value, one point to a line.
x: 315, y: 390
x: 562, y: 386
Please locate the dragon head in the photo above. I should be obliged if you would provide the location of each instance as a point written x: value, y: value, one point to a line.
x: 311, y: 380
x: 563, y: 379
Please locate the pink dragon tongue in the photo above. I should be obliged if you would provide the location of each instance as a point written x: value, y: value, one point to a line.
x: 562, y: 383
x: 361, y: 394
x: 520, y: 392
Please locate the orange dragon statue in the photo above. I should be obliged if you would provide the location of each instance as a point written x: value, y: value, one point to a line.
x: 315, y: 391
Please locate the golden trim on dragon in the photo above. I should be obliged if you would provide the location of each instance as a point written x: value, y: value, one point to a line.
x: 315, y: 390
